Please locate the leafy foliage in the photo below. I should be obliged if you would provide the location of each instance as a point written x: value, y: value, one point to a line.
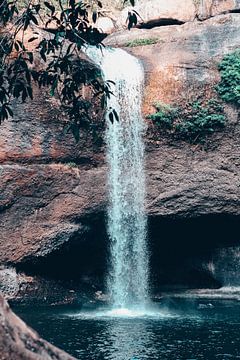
x: 229, y: 86
x: 67, y: 29
x: 164, y: 116
x: 193, y: 122
x: 142, y: 42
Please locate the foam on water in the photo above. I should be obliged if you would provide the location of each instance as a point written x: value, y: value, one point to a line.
x: 123, y: 313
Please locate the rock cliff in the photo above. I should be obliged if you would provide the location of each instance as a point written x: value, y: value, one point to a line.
x: 184, y: 179
x: 52, y: 189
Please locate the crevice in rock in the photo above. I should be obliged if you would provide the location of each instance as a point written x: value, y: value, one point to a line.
x: 6, y: 206
x: 233, y: 11
x: 181, y: 249
x: 170, y: 21
x: 82, y: 259
x: 84, y: 161
x: 159, y: 22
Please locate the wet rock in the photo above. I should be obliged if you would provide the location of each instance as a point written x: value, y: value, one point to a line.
x: 20, y: 288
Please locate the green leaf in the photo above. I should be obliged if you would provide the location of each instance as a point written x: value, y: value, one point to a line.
x: 52, y: 91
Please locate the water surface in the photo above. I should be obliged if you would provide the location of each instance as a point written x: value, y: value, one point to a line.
x: 178, y: 330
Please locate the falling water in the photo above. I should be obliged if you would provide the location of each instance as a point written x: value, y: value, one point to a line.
x: 128, y: 275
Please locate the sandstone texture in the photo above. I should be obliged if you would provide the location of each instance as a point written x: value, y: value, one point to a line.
x: 51, y: 188
x: 184, y: 59
x: 19, y: 342
x: 46, y: 202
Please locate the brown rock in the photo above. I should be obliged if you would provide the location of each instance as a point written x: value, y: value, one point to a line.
x: 208, y: 8
x: 18, y: 287
x: 184, y: 59
x: 187, y: 182
x: 35, y: 134
x: 154, y: 12
x: 43, y: 204
x: 19, y: 342
x: 40, y: 205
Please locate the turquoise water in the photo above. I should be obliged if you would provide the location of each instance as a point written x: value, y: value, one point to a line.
x: 176, y: 330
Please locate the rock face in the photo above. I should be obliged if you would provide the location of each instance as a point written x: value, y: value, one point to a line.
x: 51, y: 188
x: 184, y: 58
x: 183, y: 62
x: 54, y: 198
x: 19, y: 342
x: 154, y: 12
x: 25, y: 289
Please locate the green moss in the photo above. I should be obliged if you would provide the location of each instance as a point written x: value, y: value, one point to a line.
x: 193, y: 122
x: 201, y: 120
x: 142, y: 42
x: 164, y: 116
x: 229, y: 86
x: 71, y: 164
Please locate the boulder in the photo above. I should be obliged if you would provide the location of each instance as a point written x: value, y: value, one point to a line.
x: 105, y: 25
x: 18, y: 287
x: 154, y: 11
x: 19, y: 342
x: 209, y: 8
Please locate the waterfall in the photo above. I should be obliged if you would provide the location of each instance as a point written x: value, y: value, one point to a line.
x: 127, y: 222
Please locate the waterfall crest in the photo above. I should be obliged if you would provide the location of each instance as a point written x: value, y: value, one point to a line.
x: 127, y: 222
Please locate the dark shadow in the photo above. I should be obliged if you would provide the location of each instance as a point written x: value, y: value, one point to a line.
x: 178, y: 249
x: 82, y: 259
x: 159, y: 22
